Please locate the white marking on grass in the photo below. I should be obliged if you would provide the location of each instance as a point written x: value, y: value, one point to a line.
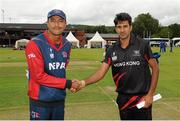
x: 88, y: 103
x: 171, y: 107
x: 107, y: 94
x: 14, y: 108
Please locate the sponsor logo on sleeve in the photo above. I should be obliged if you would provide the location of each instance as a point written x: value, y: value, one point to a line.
x: 31, y: 55
x: 114, y: 57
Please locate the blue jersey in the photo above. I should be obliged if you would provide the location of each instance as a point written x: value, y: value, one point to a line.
x: 47, y: 66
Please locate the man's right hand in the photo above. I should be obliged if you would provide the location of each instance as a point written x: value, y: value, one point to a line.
x: 77, y: 85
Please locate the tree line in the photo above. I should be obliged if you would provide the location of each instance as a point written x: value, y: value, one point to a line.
x: 144, y: 25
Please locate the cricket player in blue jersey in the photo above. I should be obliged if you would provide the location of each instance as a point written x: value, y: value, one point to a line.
x: 47, y: 57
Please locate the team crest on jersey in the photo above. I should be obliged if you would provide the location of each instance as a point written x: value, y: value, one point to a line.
x: 64, y: 53
x: 114, y: 57
x: 51, y: 53
x: 136, y: 53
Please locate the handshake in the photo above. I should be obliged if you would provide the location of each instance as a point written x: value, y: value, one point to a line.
x: 77, y: 85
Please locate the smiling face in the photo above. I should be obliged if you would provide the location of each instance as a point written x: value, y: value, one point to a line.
x: 123, y: 28
x: 56, y: 25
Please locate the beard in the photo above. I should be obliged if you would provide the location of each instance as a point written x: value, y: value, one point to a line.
x: 56, y: 34
x: 124, y: 37
x: 55, y: 31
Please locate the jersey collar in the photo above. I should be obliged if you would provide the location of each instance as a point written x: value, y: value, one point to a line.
x: 52, y: 44
x: 131, y: 41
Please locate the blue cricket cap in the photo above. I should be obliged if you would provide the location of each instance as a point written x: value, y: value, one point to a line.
x: 57, y: 12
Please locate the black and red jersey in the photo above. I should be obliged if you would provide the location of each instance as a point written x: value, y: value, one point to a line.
x: 47, y: 68
x: 130, y: 67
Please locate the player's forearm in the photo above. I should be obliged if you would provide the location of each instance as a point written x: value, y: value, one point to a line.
x: 94, y: 78
x: 154, y: 80
x: 98, y: 75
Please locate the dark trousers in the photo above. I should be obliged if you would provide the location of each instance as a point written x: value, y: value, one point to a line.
x: 136, y: 114
x: 46, y: 113
x: 171, y: 49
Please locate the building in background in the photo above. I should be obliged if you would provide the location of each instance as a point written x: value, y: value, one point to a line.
x: 11, y: 32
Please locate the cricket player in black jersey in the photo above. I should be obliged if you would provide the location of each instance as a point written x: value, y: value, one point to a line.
x: 129, y: 59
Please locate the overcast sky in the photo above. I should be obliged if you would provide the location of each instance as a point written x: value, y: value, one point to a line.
x: 90, y: 12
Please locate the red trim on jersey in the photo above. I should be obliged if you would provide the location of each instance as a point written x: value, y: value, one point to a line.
x: 118, y: 79
x: 129, y: 102
x: 37, y: 74
x: 137, y: 102
x: 109, y: 61
x: 146, y: 57
x: 67, y: 63
x: 52, y: 43
x: 68, y: 58
x: 114, y: 77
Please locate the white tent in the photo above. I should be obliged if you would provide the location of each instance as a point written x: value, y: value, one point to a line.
x: 96, y: 41
x: 21, y: 43
x: 71, y: 38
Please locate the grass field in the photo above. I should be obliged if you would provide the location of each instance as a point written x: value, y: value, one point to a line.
x: 95, y: 102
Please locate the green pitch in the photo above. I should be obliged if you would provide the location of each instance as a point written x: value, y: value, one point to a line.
x: 95, y: 101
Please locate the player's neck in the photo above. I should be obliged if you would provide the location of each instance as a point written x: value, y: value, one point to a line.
x: 124, y: 42
x: 55, y: 38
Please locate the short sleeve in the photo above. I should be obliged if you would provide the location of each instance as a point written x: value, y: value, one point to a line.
x: 107, y: 58
x: 148, y: 51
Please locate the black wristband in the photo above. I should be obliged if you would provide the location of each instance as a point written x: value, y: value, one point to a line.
x: 68, y: 84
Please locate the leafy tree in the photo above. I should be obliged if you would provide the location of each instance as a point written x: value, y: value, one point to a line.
x: 165, y: 32
x: 93, y: 29
x: 145, y: 25
x: 175, y: 28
